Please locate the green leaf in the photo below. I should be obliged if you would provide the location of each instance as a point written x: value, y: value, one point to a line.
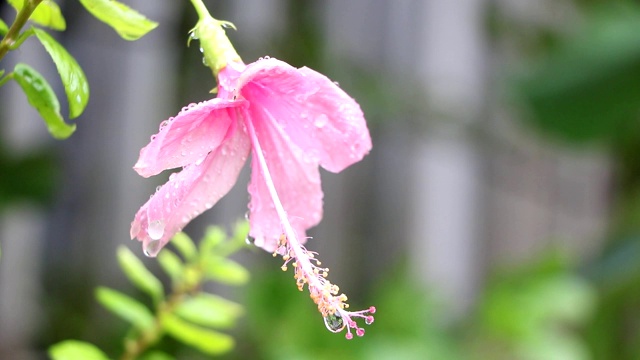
x: 3, y: 28
x: 46, y: 14
x: 171, y: 264
x: 75, y: 82
x: 128, y: 23
x: 213, y: 237
x: 125, y: 307
x: 43, y: 99
x: 208, y: 341
x: 185, y: 245
x: 240, y: 231
x: 138, y: 274
x: 226, y: 271
x: 588, y: 88
x: 156, y: 355
x: 75, y: 350
x: 210, y: 310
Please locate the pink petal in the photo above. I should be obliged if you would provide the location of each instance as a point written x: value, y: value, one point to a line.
x: 296, y: 179
x: 317, y: 115
x: 228, y: 79
x: 191, y: 191
x: 188, y: 137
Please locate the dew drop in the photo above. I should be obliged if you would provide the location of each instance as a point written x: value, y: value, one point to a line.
x: 204, y: 61
x: 249, y: 240
x: 334, y: 323
x: 321, y: 120
x: 156, y: 229
x: 152, y: 248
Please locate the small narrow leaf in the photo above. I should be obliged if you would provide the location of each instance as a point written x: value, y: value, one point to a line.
x: 47, y: 13
x: 138, y: 274
x: 43, y: 99
x: 208, y: 341
x: 171, y: 264
x: 125, y: 307
x: 185, y: 245
x: 74, y: 350
x: 240, y: 231
x: 3, y: 28
x: 226, y: 271
x: 75, y: 82
x: 156, y: 355
x: 128, y: 23
x: 210, y: 310
x: 213, y: 236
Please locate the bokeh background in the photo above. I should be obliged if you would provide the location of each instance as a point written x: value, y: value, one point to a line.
x: 497, y: 217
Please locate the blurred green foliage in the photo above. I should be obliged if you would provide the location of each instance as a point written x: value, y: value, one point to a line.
x: 587, y: 90
x: 534, y: 312
x: 187, y: 314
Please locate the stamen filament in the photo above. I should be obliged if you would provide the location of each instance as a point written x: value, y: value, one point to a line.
x: 331, y: 305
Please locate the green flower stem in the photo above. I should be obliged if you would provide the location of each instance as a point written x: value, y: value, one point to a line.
x: 201, y: 9
x: 216, y: 47
x: 6, y: 78
x: 13, y: 34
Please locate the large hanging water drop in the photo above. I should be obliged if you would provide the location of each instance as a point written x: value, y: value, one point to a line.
x: 334, y: 323
x: 156, y: 229
x: 152, y: 248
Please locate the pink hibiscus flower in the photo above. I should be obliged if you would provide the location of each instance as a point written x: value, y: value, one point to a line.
x: 291, y: 121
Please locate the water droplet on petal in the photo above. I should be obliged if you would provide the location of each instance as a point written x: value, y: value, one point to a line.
x: 321, y: 120
x: 334, y: 323
x: 152, y: 248
x: 249, y: 240
x: 156, y: 229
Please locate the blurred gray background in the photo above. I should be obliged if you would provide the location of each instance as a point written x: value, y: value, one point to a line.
x: 453, y: 186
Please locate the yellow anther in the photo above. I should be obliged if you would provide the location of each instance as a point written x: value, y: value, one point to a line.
x: 284, y: 267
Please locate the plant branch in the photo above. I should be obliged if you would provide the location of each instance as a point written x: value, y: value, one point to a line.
x: 14, y: 31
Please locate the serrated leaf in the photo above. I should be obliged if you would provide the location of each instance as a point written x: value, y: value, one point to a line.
x: 138, y: 274
x: 208, y: 341
x: 128, y: 23
x: 43, y: 99
x: 185, y: 245
x: 156, y: 355
x: 171, y: 264
x: 74, y: 350
x: 209, y: 310
x: 73, y: 79
x: 47, y: 13
x: 125, y: 307
x: 3, y: 28
x: 226, y: 271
